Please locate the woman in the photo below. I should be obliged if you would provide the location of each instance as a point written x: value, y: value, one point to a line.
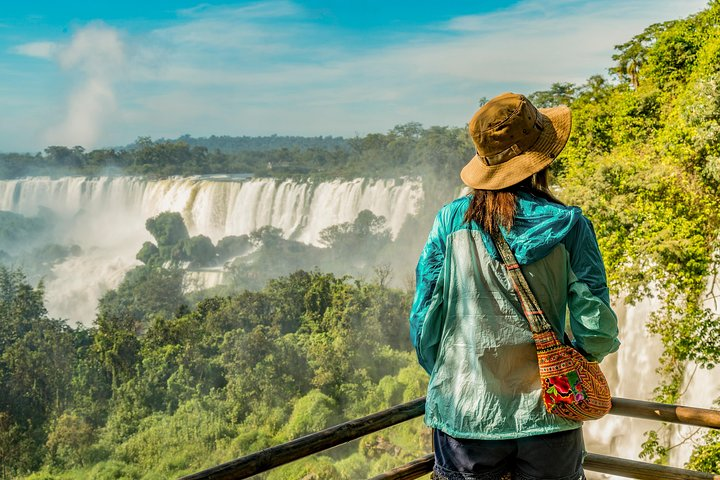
x: 484, y: 398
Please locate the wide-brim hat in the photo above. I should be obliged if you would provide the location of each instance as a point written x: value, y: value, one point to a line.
x: 513, y: 141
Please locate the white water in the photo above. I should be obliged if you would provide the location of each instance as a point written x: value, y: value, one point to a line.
x: 106, y: 217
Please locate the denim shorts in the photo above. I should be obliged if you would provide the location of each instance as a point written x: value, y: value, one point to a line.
x: 555, y: 456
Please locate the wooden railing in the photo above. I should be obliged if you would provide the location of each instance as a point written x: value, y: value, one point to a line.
x: 285, y: 453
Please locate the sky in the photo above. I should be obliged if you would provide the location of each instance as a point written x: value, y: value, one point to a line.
x: 99, y: 74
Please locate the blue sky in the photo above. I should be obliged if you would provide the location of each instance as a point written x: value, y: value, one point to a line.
x: 103, y: 73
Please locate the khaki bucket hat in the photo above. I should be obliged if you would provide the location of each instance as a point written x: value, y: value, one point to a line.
x: 513, y: 140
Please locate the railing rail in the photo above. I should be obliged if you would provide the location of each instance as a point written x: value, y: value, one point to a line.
x: 278, y: 455
x: 285, y: 453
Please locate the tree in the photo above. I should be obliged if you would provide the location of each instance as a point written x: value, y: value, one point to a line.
x: 199, y: 250
x: 408, y: 130
x: 66, y: 157
x: 232, y: 246
x: 559, y: 94
x: 267, y: 236
x: 70, y: 440
x: 168, y: 229
x: 117, y: 346
x: 16, y: 448
x: 145, y: 291
x: 632, y: 54
x: 357, y: 243
x: 313, y: 412
x: 149, y: 254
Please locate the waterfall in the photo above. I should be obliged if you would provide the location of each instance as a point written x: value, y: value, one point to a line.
x: 216, y: 206
x: 106, y: 217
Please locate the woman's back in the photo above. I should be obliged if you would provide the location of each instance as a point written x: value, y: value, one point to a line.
x: 484, y: 374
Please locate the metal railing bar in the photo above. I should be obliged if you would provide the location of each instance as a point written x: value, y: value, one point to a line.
x: 594, y: 462
x: 278, y: 455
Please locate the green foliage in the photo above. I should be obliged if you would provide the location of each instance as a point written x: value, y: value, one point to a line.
x: 165, y: 443
x: 175, y: 246
x: 70, y: 440
x: 149, y: 254
x: 199, y: 250
x: 37, y: 356
x: 16, y: 447
x: 311, y: 413
x: 354, y: 242
x: 706, y: 457
x: 632, y: 55
x: 16, y: 229
x: 559, y: 94
x: 144, y: 291
x: 168, y: 229
x: 655, y: 447
x: 154, y: 395
x: 115, y: 470
x: 320, y: 468
x: 233, y: 246
x: 227, y: 144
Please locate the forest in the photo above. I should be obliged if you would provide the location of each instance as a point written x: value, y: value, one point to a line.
x: 164, y: 384
x: 386, y: 155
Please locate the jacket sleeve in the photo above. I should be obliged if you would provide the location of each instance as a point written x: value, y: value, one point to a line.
x: 425, y: 335
x: 592, y: 321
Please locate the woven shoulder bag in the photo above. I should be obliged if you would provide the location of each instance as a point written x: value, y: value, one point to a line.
x: 573, y: 387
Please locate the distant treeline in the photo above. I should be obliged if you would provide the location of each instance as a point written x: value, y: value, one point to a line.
x: 407, y: 149
x: 228, y: 144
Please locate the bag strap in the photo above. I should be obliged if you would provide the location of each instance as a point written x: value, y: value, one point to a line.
x: 531, y: 307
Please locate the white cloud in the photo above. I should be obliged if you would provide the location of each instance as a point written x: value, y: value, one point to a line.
x: 96, y: 49
x: 36, y: 49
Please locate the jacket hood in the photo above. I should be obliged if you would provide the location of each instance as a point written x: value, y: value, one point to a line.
x: 539, y: 226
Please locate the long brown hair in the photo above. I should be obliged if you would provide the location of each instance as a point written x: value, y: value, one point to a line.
x: 491, y: 209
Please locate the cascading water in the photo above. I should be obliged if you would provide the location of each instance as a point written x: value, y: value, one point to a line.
x: 216, y: 206
x: 106, y: 217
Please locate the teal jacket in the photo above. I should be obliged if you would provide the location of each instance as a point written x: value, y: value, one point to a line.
x: 467, y: 325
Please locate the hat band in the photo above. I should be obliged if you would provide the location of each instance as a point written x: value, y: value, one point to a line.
x: 503, y: 156
x: 515, y: 149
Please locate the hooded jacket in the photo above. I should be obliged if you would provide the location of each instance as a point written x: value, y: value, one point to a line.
x: 467, y: 325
